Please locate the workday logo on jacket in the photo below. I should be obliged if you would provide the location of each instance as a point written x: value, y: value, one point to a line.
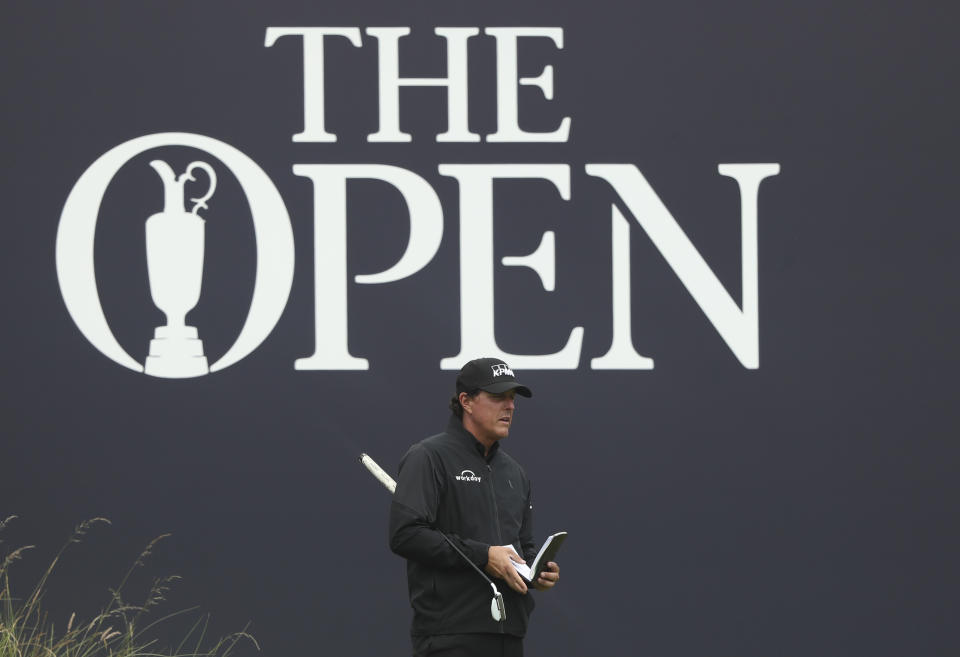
x: 467, y: 475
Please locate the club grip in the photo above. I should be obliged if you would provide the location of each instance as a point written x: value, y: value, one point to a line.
x: 379, y: 473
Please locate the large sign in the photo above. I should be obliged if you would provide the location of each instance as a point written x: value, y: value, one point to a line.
x: 174, y: 238
x: 244, y: 242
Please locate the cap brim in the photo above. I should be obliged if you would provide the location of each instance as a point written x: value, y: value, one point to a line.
x: 497, y: 388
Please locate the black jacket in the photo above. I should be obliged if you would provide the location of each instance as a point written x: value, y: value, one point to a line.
x: 446, y: 484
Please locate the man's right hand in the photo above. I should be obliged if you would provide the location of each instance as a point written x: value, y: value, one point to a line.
x: 498, y: 565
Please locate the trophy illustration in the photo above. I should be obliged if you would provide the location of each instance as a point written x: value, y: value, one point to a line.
x: 175, y: 245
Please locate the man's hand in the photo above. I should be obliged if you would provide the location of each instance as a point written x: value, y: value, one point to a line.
x: 498, y: 565
x: 548, y: 578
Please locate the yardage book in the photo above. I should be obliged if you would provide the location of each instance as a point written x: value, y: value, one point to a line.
x: 551, y: 546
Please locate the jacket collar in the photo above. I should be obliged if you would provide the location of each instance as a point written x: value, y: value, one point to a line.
x: 456, y: 429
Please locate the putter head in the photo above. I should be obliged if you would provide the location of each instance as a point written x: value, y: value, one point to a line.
x: 497, y: 609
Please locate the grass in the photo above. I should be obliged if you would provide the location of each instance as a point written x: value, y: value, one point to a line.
x: 120, y: 629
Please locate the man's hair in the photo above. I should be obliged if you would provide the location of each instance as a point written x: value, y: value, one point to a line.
x: 456, y: 406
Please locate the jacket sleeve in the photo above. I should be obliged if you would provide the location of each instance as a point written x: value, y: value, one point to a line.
x: 413, y: 516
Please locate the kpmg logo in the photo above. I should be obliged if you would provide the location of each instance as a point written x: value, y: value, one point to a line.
x: 467, y: 475
x: 175, y: 237
x: 501, y: 369
x: 174, y: 250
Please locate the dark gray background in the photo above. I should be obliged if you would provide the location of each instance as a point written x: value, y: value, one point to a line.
x: 805, y: 508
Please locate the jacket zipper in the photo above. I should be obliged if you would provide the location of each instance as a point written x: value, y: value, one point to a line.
x: 496, y: 510
x: 496, y: 520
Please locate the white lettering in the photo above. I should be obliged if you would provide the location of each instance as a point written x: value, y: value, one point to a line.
x: 508, y: 126
x: 476, y: 264
x: 621, y: 355
x: 313, y: 75
x: 330, y: 250
x: 77, y: 228
x: 390, y: 82
x: 738, y: 328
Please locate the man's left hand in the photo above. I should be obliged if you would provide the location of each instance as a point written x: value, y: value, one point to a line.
x: 548, y: 578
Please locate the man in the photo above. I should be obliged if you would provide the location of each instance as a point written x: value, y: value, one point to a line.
x: 461, y: 484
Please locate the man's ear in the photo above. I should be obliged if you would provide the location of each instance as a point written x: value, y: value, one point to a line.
x: 464, y: 401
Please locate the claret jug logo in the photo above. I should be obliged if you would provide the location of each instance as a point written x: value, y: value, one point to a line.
x: 175, y: 268
x: 174, y: 251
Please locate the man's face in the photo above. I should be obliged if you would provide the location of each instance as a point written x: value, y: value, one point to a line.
x: 488, y: 416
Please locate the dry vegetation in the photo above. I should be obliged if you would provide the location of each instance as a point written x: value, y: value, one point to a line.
x: 120, y: 629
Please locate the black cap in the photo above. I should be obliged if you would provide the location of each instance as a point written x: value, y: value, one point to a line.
x: 490, y: 374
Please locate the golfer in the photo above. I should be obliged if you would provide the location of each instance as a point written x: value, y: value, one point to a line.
x: 461, y: 483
